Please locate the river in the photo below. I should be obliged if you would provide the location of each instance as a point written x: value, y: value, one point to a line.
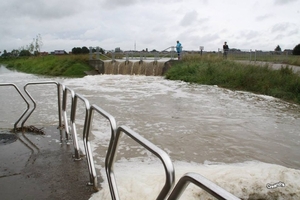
x: 236, y: 139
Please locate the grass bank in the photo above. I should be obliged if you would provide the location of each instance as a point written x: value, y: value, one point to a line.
x: 283, y: 83
x: 51, y: 65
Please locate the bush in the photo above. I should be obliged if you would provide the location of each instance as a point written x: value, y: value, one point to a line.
x: 282, y: 83
x: 296, y: 50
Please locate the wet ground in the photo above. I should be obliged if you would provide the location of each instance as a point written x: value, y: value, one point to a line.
x: 40, y: 167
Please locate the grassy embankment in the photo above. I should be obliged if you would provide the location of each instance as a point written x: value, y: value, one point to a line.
x: 209, y: 70
x: 64, y: 65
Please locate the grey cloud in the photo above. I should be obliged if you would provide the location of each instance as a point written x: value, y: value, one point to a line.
x: 118, y: 3
x: 248, y: 35
x: 210, y: 37
x: 121, y: 3
x: 279, y: 37
x: 263, y: 17
x: 41, y: 9
x: 189, y: 18
x: 293, y: 32
x: 280, y: 27
x: 282, y: 2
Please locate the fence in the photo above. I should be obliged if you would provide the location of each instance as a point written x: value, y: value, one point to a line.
x: 256, y: 55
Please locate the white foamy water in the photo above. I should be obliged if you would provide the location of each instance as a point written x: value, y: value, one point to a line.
x: 246, y: 180
x: 239, y: 140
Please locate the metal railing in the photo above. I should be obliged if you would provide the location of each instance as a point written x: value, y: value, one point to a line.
x: 34, y: 102
x: 113, y: 127
x: 255, y: 55
x: 64, y: 110
x: 115, y: 135
x: 201, y: 182
x: 162, y: 155
x: 25, y: 100
x: 137, y: 55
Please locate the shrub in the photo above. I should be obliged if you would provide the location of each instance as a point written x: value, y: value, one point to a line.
x: 296, y: 50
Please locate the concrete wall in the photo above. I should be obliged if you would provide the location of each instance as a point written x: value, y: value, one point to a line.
x: 148, y: 68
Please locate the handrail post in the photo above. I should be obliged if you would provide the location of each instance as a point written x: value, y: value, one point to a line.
x: 34, y: 103
x: 97, y: 53
x: 163, y: 156
x: 73, y: 116
x: 64, y: 108
x: 113, y: 127
x: 172, y: 52
x: 27, y: 103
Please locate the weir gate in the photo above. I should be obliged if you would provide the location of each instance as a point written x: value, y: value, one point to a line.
x: 132, y: 63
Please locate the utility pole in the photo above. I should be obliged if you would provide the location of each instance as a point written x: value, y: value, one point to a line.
x: 134, y: 45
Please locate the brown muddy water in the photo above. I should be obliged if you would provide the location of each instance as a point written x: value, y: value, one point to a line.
x: 239, y: 140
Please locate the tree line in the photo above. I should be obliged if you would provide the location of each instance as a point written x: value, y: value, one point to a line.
x: 33, y: 48
x: 84, y: 50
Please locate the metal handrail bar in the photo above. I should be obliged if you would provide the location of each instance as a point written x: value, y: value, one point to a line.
x: 34, y: 103
x: 162, y: 155
x: 203, y: 183
x: 141, y: 56
x: 27, y: 103
x: 67, y: 128
x: 172, y: 52
x: 105, y: 56
x: 91, y: 167
x: 171, y: 47
x: 113, y: 128
x: 64, y: 109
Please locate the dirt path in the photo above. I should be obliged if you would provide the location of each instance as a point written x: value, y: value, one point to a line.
x: 296, y: 69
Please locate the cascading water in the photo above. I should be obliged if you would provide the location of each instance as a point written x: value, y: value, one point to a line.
x: 148, y: 68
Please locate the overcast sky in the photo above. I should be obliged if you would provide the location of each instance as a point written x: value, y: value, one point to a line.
x: 152, y: 24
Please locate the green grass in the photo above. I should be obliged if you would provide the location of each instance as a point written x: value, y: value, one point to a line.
x: 266, y: 57
x: 211, y: 70
x: 63, y: 65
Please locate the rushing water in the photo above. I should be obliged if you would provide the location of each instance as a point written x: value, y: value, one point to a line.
x: 239, y: 140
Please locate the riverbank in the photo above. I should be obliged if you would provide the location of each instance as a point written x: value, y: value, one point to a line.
x: 63, y: 65
x: 282, y: 83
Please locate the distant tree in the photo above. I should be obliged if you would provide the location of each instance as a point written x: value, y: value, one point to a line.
x: 278, y: 49
x: 38, y: 44
x: 85, y: 50
x: 102, y: 51
x: 35, y: 46
x: 15, y: 53
x: 4, y: 53
x: 76, y: 50
x: 296, y: 50
x: 25, y: 52
x: 30, y: 47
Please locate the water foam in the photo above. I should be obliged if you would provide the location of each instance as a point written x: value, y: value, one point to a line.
x: 247, y: 180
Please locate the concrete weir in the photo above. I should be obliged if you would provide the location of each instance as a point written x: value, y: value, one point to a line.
x: 132, y: 67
